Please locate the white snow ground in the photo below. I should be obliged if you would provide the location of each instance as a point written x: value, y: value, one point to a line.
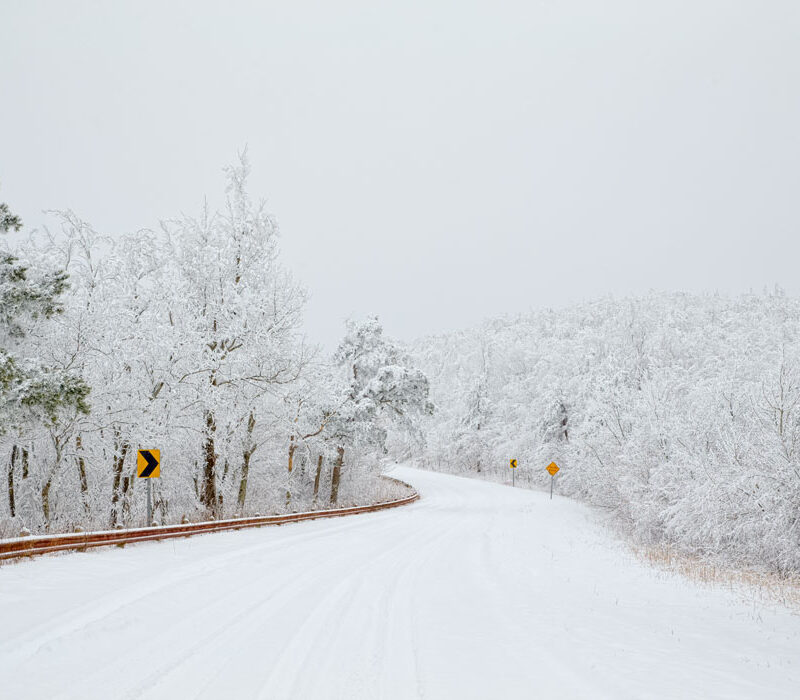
x: 476, y: 591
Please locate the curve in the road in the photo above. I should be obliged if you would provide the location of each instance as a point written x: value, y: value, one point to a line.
x: 475, y: 591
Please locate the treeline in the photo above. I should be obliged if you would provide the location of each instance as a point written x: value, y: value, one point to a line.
x: 678, y: 413
x: 189, y: 340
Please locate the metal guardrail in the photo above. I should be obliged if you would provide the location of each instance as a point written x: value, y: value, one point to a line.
x: 44, y: 544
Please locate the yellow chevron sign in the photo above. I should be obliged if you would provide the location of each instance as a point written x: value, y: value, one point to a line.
x: 513, y: 464
x: 148, y: 464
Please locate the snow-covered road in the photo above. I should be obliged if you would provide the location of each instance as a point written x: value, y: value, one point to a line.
x: 476, y: 591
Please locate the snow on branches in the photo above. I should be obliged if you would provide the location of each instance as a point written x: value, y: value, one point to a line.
x: 679, y: 413
x: 191, y: 340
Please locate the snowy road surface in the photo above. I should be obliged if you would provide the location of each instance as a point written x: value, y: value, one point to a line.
x: 476, y: 591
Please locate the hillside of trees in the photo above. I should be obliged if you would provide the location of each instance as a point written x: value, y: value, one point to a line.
x: 678, y: 414
x: 187, y: 339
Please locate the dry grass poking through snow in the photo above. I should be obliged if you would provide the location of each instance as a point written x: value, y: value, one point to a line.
x: 749, y: 583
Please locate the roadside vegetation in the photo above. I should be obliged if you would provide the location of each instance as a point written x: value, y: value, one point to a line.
x: 186, y: 339
x: 678, y: 414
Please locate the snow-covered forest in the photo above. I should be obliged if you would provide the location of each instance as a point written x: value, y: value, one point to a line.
x: 679, y: 414
x: 186, y: 339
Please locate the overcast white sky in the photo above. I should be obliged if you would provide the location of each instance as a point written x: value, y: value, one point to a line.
x: 433, y: 162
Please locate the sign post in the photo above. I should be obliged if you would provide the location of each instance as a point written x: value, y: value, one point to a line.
x: 552, y: 468
x: 148, y: 466
x: 513, y: 464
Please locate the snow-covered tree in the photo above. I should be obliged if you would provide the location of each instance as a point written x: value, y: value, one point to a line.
x: 238, y: 315
x: 190, y: 338
x: 380, y: 391
x: 679, y: 413
x: 34, y: 394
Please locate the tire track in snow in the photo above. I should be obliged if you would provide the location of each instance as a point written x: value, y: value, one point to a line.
x: 342, y: 608
x: 24, y: 648
x: 476, y: 591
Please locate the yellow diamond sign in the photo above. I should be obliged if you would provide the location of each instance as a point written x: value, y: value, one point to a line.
x: 552, y: 468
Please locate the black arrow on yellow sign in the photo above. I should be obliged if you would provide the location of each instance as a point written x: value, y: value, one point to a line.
x: 147, y: 464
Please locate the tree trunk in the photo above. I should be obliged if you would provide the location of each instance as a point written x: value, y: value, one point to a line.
x: 127, y: 483
x: 337, y: 472
x: 46, y: 501
x: 292, y: 448
x: 120, y: 452
x: 11, y: 465
x: 246, y: 455
x: 82, y: 474
x: 58, y: 447
x: 317, y: 477
x: 243, y: 481
x: 209, y: 490
x: 221, y: 488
